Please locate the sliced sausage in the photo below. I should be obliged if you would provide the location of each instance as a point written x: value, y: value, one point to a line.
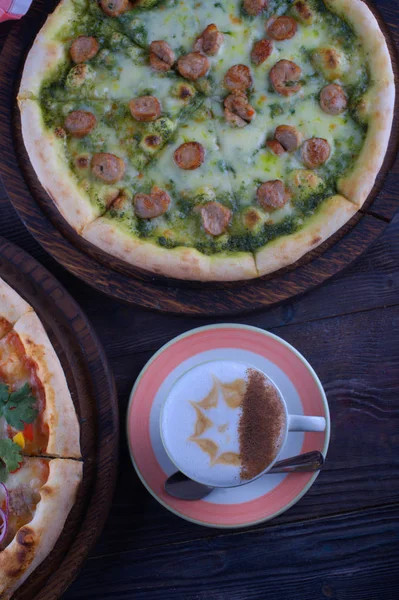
x: 303, y: 12
x: 189, y: 156
x: 145, y: 108
x: 333, y: 99
x: 210, y: 41
x: 275, y: 147
x: 149, y: 206
x: 79, y: 123
x: 83, y: 48
x: 193, y: 65
x: 261, y: 51
x: 315, y: 152
x: 234, y: 119
x: 238, y: 78
x: 289, y: 137
x: 284, y: 77
x: 255, y: 7
x: 114, y: 8
x: 107, y: 167
x: 162, y: 57
x: 272, y: 195
x: 163, y: 51
x: 281, y: 28
x: 238, y: 104
x: 215, y: 218
x: 157, y: 64
x: 120, y: 203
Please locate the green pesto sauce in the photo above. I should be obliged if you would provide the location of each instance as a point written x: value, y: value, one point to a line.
x: 355, y: 93
x: 53, y: 87
x: 306, y: 205
x: 111, y: 34
x: 144, y: 228
x: 341, y: 29
x: 357, y: 90
x: 243, y: 241
x: 139, y: 35
x: 343, y: 160
x: 250, y: 242
x: 276, y: 109
x: 239, y: 239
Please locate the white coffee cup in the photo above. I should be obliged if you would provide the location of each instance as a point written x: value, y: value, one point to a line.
x: 179, y: 418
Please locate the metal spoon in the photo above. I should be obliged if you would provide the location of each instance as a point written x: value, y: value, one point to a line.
x: 180, y: 486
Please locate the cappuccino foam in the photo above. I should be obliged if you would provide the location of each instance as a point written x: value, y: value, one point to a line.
x: 200, y: 422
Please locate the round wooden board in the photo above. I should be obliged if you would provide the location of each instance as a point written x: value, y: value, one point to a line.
x: 116, y: 278
x: 93, y: 391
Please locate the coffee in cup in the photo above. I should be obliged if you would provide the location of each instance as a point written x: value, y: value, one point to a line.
x: 223, y: 423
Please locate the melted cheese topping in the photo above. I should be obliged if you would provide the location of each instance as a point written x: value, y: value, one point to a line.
x: 211, y: 174
x: 237, y: 160
x: 123, y: 73
x: 174, y: 21
x: 24, y: 489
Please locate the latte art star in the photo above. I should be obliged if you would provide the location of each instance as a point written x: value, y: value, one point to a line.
x: 211, y: 420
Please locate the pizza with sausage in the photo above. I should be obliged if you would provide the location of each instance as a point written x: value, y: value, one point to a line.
x: 40, y: 459
x: 208, y: 140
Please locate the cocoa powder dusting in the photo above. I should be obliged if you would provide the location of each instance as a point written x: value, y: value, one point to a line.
x: 261, y: 423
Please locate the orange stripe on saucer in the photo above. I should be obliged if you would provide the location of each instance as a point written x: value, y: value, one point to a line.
x: 139, y: 422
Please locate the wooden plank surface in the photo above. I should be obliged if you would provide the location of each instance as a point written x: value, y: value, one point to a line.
x: 119, y: 280
x: 341, y: 541
x: 360, y: 400
x: 347, y: 557
x: 348, y: 329
x: 93, y: 392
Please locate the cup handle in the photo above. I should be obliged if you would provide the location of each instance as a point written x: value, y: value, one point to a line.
x: 302, y: 423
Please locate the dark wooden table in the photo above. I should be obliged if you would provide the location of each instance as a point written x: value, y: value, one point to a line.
x: 341, y: 541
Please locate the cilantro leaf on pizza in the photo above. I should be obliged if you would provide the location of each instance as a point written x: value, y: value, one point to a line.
x: 37, y: 419
x: 18, y: 407
x: 36, y: 409
x: 10, y: 458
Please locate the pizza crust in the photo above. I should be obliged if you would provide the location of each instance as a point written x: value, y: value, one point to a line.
x: 378, y: 103
x: 60, y: 412
x: 179, y: 263
x: 47, y: 155
x: 46, y: 54
x: 12, y: 307
x: 46, y: 151
x: 332, y: 214
x: 34, y: 541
